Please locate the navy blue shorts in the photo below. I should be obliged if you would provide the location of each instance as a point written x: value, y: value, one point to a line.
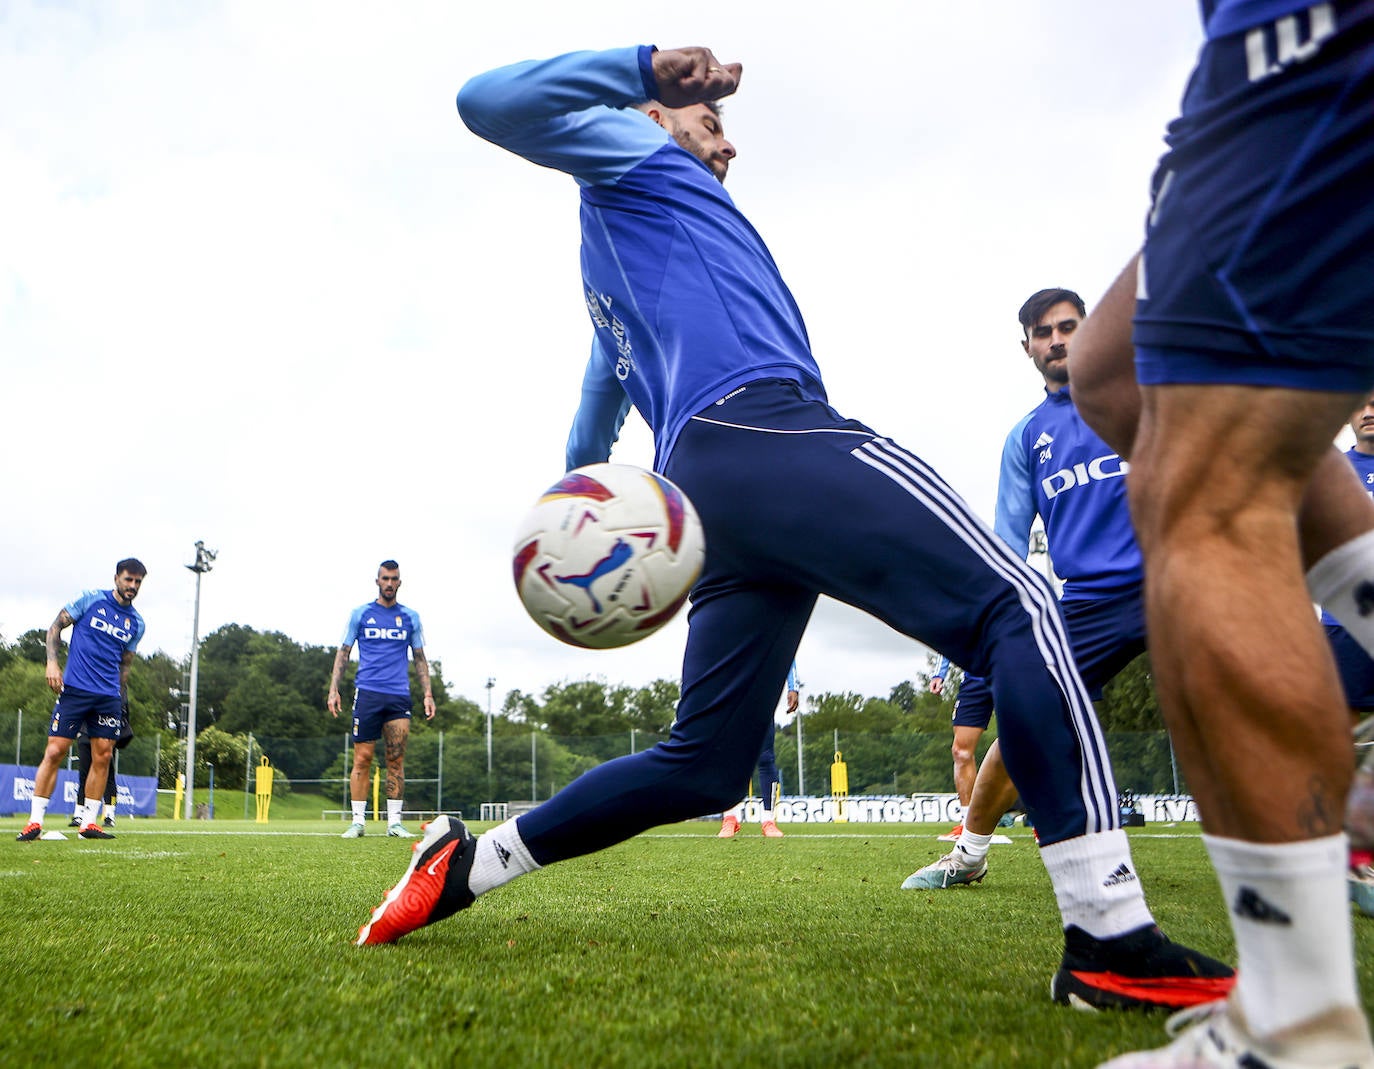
x: 1355, y: 667
x: 371, y: 710
x: 1107, y: 634
x: 1258, y: 266
x: 99, y: 714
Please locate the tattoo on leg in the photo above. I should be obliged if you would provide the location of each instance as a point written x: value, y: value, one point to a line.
x: 1315, y: 816
x: 397, y: 733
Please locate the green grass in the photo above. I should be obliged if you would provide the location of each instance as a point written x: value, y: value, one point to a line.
x: 229, y: 944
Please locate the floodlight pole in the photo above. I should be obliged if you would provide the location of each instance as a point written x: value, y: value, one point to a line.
x: 204, y: 560
x: 491, y: 682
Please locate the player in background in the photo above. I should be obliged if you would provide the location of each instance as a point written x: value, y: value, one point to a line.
x: 1354, y: 666
x: 693, y: 322
x: 770, y: 780
x: 1253, y: 330
x: 106, y: 629
x: 387, y: 635
x: 1057, y: 468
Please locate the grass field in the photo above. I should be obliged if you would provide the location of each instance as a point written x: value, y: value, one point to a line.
x: 228, y: 943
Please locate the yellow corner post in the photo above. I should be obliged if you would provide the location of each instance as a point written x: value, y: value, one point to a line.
x: 178, y: 796
x: 376, y: 791
x: 262, y: 790
x: 839, y: 788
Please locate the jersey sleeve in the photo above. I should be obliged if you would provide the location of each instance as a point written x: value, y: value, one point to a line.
x: 600, y: 414
x: 417, y: 631
x: 138, y: 629
x: 941, y: 669
x: 350, y: 635
x: 793, y: 683
x: 76, y: 608
x: 567, y: 113
x: 1016, y: 507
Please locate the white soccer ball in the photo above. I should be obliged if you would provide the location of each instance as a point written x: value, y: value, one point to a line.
x: 608, y: 555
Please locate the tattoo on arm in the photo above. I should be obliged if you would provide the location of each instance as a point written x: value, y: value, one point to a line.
x: 422, y: 670
x: 55, y: 629
x: 340, y: 659
x: 1316, y: 815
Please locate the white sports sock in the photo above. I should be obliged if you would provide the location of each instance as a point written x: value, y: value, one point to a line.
x: 973, y: 844
x: 92, y: 811
x: 38, y: 809
x: 1096, y: 885
x: 501, y: 856
x: 393, y: 810
x: 360, y: 812
x: 1342, y: 582
x: 1291, y: 918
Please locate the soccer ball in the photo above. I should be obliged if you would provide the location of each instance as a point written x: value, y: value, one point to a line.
x: 607, y: 555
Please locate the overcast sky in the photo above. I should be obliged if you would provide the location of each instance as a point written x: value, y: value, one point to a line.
x: 260, y: 287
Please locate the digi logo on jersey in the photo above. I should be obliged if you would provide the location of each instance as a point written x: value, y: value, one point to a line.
x: 397, y: 633
x: 1103, y: 468
x: 121, y: 633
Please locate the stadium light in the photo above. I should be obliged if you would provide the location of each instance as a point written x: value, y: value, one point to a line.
x: 204, y: 560
x: 491, y: 682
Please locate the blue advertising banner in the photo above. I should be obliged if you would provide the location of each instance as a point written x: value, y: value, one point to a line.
x: 137, y: 794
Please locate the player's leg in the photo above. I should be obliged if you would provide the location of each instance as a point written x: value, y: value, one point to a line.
x: 396, y: 734
x: 102, y: 754
x: 367, y: 729
x: 1246, y: 680
x: 894, y: 539
x: 83, y: 765
x: 742, y: 638
x: 972, y: 714
x: 770, y: 786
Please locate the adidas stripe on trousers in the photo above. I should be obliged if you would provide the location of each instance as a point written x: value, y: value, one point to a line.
x: 797, y: 501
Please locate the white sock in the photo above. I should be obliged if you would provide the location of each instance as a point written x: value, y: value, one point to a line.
x: 92, y: 812
x: 1096, y: 885
x: 973, y: 844
x: 360, y: 812
x: 38, y: 809
x: 1335, y: 580
x: 501, y: 856
x: 766, y: 816
x: 1291, y: 918
x: 393, y: 810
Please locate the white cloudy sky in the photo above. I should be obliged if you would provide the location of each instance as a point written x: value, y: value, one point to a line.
x: 258, y: 285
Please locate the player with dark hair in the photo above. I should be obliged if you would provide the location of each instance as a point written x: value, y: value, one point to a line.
x: 106, y: 630
x: 693, y: 322
x: 1253, y: 333
x: 1056, y: 467
x: 387, y: 635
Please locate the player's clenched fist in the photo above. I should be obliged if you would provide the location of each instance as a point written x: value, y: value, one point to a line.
x: 692, y: 75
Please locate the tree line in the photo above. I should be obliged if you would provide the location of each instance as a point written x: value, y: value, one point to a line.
x: 267, y: 685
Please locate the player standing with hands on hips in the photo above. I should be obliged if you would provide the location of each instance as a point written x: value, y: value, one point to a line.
x: 695, y: 326
x: 386, y: 633
x: 106, y: 629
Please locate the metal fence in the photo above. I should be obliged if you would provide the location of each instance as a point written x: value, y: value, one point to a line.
x: 448, y: 770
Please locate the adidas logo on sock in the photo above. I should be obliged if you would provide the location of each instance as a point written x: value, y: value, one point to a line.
x: 502, y: 854
x: 1122, y: 874
x: 1251, y: 905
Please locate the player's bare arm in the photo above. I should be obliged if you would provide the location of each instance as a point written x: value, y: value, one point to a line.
x: 54, y: 640
x: 126, y: 662
x: 334, y: 703
x: 422, y: 670
x: 693, y: 76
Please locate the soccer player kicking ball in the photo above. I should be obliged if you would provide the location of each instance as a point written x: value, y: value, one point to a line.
x: 695, y: 326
